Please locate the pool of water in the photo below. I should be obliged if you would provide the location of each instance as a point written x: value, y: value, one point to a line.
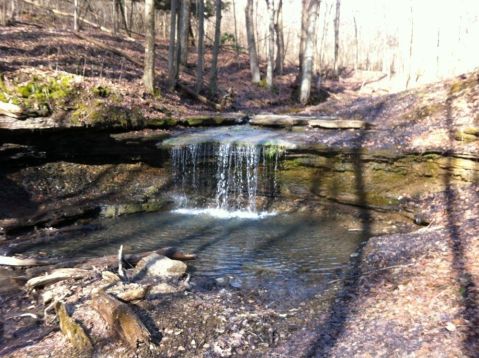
x: 291, y: 254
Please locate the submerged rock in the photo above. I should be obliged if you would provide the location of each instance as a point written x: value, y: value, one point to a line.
x: 155, y: 265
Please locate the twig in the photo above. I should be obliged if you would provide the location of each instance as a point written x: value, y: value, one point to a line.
x: 374, y: 271
x: 121, y: 271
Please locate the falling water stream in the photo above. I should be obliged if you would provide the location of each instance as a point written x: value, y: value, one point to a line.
x: 224, y: 178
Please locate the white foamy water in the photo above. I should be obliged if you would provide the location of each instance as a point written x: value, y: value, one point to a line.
x: 225, y: 214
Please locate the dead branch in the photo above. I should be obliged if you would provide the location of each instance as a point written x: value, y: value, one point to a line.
x: 56, y: 276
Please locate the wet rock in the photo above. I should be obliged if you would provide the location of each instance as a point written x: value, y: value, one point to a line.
x: 163, y: 288
x: 129, y: 292
x: 155, y: 265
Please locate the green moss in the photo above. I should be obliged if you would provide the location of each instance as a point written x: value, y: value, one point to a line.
x: 272, y: 151
x: 196, y: 121
x: 101, y: 91
x: 463, y: 84
x: 428, y: 110
x: 41, y: 94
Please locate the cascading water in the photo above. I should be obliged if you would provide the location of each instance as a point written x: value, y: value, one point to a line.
x: 234, y: 174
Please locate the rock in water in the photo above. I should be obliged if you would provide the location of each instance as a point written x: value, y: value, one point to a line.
x: 155, y: 265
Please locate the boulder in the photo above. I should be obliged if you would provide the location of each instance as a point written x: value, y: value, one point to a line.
x: 155, y: 265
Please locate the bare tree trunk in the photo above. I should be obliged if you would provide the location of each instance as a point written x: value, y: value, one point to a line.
x: 130, y: 18
x: 216, y: 50
x: 3, y: 19
x: 75, y: 15
x: 115, y: 17
x: 122, y: 7
x: 184, y: 30
x: 149, y: 75
x: 356, y: 42
x: 13, y: 5
x: 278, y: 26
x: 270, y: 42
x: 201, y: 45
x: 336, y: 36
x: 304, y: 29
x: 253, y: 55
x: 172, y: 47
x: 411, y: 42
x: 308, y: 56
x: 237, y: 49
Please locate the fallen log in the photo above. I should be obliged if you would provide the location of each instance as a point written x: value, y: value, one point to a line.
x: 122, y: 320
x: 73, y: 331
x: 56, y: 276
x: 14, y: 261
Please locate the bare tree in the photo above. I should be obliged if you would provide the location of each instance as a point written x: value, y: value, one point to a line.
x: 336, y: 36
x: 304, y: 28
x: 149, y: 74
x: 122, y: 9
x: 278, y: 27
x: 75, y: 15
x: 3, y: 18
x: 201, y: 45
x: 115, y: 16
x: 356, y: 43
x: 184, y: 28
x: 216, y: 49
x: 172, y: 68
x: 253, y: 55
x: 13, y: 13
x: 270, y: 44
x: 308, y: 56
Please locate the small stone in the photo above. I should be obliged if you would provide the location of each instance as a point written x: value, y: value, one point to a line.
x: 181, y: 349
x: 155, y: 265
x: 450, y: 327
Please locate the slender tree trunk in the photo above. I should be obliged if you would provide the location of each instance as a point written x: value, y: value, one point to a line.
x: 304, y: 29
x: 411, y: 42
x: 201, y: 45
x: 356, y: 42
x: 3, y: 19
x: 216, y: 50
x: 115, y: 16
x: 278, y: 26
x: 270, y: 42
x: 149, y: 75
x: 130, y: 18
x: 237, y: 49
x: 184, y: 30
x: 308, y: 56
x: 122, y: 9
x: 253, y: 55
x: 172, y: 46
x: 75, y: 15
x: 13, y: 5
x: 336, y: 36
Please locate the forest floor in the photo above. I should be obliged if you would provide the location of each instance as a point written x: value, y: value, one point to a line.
x: 410, y: 294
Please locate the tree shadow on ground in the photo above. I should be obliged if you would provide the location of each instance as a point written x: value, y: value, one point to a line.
x: 328, y: 332
x: 469, y: 290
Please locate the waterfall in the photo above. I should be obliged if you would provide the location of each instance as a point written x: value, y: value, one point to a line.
x: 230, y: 173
